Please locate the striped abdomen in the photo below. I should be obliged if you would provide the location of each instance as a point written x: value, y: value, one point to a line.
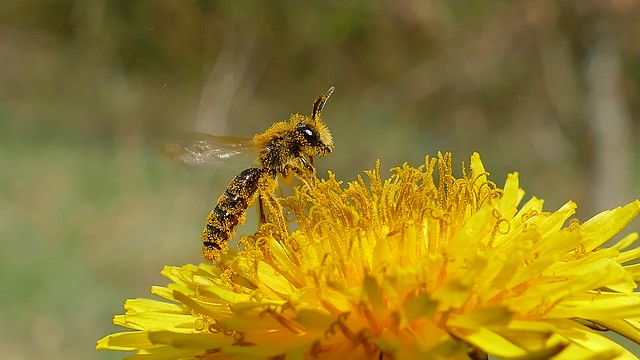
x: 229, y: 211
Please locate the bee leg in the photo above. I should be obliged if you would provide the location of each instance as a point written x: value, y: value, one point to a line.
x: 261, y: 214
x: 277, y: 213
x: 308, y: 176
x: 286, y: 175
x: 308, y: 164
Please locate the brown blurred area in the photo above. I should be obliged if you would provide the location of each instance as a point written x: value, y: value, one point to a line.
x: 89, y: 213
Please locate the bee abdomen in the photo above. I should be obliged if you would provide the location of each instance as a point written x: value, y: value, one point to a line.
x: 229, y: 212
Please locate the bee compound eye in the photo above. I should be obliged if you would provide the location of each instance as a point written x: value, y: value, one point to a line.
x: 309, y: 135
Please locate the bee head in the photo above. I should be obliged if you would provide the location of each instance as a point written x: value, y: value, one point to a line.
x: 316, y: 138
x: 315, y: 135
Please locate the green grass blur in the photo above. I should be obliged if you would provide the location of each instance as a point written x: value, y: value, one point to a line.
x: 89, y: 213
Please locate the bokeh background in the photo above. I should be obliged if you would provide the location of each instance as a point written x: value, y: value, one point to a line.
x: 89, y: 213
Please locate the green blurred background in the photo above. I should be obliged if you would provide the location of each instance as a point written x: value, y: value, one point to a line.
x: 89, y: 213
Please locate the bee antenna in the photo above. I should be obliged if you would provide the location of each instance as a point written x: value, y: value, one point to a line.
x: 318, y: 105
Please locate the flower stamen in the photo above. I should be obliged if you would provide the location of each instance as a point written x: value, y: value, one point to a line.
x: 421, y: 265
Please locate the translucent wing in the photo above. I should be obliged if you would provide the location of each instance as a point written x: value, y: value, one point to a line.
x: 202, y: 149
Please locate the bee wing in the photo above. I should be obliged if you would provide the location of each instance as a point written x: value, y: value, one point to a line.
x: 203, y: 149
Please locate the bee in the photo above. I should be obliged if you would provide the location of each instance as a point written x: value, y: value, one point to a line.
x: 286, y: 149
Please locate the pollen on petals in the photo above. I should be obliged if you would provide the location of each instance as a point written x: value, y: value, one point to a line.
x: 423, y: 263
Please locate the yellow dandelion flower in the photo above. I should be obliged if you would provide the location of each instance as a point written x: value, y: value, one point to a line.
x: 403, y: 268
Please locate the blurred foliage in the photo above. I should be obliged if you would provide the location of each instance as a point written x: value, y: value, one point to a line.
x: 89, y: 213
